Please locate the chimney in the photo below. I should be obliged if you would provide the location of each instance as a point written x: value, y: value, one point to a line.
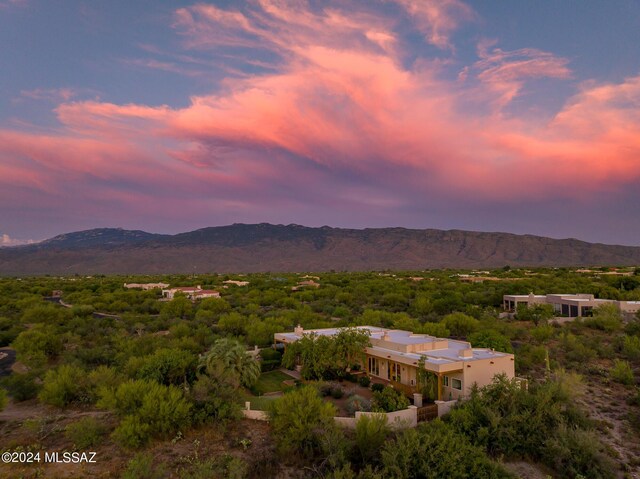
x: 385, y: 336
x: 465, y: 353
x: 298, y: 330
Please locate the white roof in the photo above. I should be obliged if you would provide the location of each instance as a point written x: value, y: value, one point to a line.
x: 442, y: 355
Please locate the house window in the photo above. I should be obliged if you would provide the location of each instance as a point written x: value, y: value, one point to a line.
x: 395, y: 372
x: 374, y: 367
x: 445, y: 380
x: 456, y: 384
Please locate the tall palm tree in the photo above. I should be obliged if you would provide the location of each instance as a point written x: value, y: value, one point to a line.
x: 228, y: 360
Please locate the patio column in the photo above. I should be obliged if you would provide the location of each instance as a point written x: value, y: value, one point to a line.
x: 439, y: 387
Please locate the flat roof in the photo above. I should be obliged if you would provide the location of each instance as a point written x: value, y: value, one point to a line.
x: 437, y: 356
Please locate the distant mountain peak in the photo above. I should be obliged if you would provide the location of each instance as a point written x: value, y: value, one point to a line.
x: 244, y: 247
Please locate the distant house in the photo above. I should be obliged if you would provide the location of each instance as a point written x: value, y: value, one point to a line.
x: 204, y: 293
x: 146, y: 286
x: 570, y: 305
x: 394, y: 355
x: 191, y: 292
x: 237, y: 283
x: 305, y: 284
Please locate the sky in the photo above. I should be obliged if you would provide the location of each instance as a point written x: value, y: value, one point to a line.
x: 520, y: 117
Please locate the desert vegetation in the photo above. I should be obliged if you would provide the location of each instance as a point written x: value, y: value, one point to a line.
x: 157, y: 387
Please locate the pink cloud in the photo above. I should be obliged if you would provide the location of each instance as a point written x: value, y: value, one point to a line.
x: 53, y: 94
x: 437, y: 19
x: 505, y: 72
x: 341, y: 105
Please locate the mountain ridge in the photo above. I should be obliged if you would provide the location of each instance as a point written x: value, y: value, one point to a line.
x: 260, y: 247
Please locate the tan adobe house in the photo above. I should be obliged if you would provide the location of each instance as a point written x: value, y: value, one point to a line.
x: 146, y: 286
x: 571, y: 305
x: 192, y: 292
x: 394, y: 355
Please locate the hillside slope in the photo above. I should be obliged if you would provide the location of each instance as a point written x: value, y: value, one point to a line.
x: 266, y: 247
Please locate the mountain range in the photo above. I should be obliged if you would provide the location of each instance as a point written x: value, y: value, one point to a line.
x: 266, y: 247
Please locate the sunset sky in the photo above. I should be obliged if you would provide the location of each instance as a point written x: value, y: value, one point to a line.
x: 518, y: 116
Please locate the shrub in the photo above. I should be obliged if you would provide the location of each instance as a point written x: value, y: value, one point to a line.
x: 578, y: 453
x: 460, y: 324
x: 371, y: 434
x: 38, y: 344
x: 542, y: 333
x: 144, y: 466
x: 435, y: 450
x: 377, y: 387
x: 225, y: 466
x: 270, y: 354
x: 357, y: 403
x: 21, y: 387
x: 337, y: 392
x: 167, y: 366
x: 3, y: 399
x: 389, y: 400
x: 325, y: 389
x: 148, y: 409
x: 631, y: 347
x: 63, y: 386
x: 622, y: 372
x: 85, y: 433
x: 299, y: 419
x: 364, y: 381
x: 490, y: 338
x: 351, y: 378
x: 438, y: 330
x: 606, y: 318
x: 269, y: 365
x: 538, y: 313
x: 132, y: 432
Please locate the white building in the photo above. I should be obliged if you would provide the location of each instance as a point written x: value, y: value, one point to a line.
x: 571, y: 305
x: 394, y: 355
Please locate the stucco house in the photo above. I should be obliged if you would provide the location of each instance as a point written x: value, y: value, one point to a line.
x: 570, y: 305
x: 191, y: 292
x: 394, y: 355
x: 146, y: 286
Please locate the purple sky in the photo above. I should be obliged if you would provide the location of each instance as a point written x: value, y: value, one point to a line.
x: 171, y: 116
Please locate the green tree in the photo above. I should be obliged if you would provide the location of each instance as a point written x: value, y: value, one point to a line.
x: 434, y: 450
x: 147, y: 409
x: 388, y: 400
x: 426, y: 381
x: 168, y: 366
x: 327, y: 356
x: 178, y: 307
x: 490, y: 338
x: 606, y: 318
x: 21, y: 387
x: 38, y: 344
x: 228, y: 359
x: 64, y: 385
x: 538, y: 313
x: 299, y: 419
x: 460, y: 324
x: 439, y: 330
x: 372, y: 432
